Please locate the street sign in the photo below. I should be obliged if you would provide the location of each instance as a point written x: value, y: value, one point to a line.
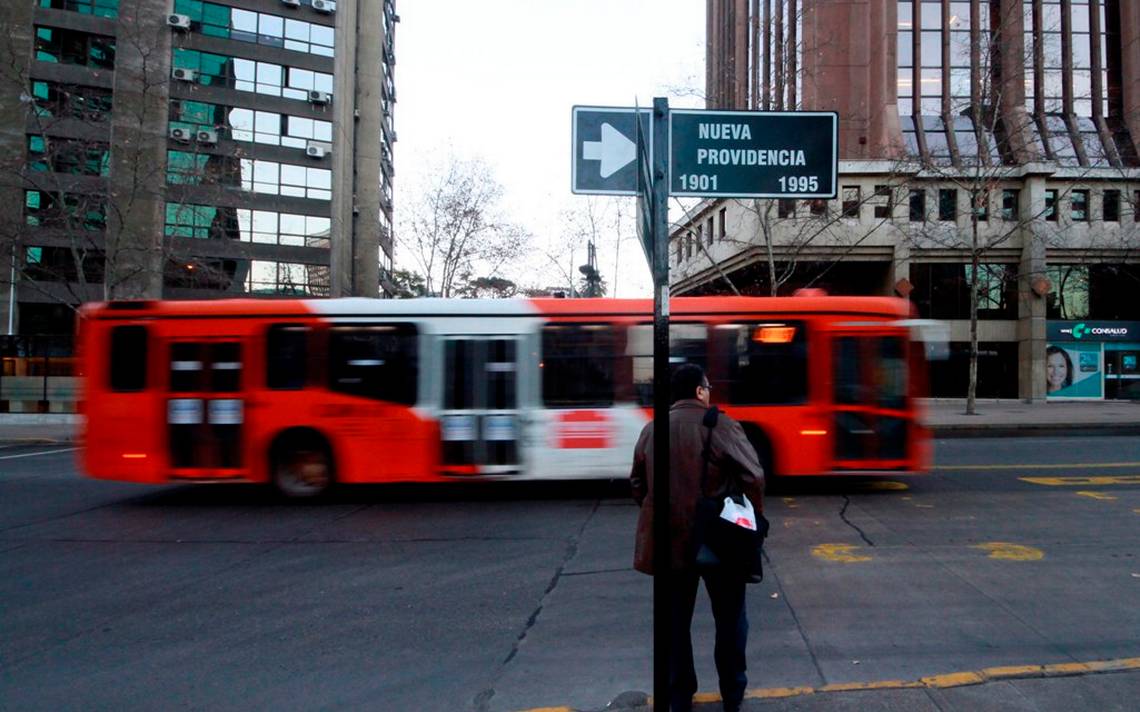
x: 753, y: 154
x: 604, y: 145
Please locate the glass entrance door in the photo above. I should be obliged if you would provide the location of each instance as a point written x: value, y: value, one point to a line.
x: 479, y: 423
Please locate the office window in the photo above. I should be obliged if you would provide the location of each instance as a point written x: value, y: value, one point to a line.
x: 722, y: 233
x: 72, y: 156
x: 72, y: 47
x: 1010, y: 204
x: 948, y: 204
x: 1112, y: 206
x: 1079, y: 206
x: 918, y: 205
x: 884, y: 202
x: 709, y: 230
x: 785, y: 208
x: 1051, y: 205
x: 818, y: 207
x: 851, y: 199
x: 67, y: 101
x: 980, y: 204
x: 98, y: 8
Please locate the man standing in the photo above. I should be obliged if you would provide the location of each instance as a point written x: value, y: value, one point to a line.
x: 732, y: 466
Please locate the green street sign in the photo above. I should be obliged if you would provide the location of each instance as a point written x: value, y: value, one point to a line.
x: 753, y: 154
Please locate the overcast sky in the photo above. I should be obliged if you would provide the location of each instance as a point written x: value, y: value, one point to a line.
x: 497, y: 79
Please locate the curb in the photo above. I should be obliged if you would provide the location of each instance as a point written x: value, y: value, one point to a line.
x: 1030, y: 430
x: 640, y: 700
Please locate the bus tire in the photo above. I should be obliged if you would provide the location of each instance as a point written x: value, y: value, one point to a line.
x: 301, y: 465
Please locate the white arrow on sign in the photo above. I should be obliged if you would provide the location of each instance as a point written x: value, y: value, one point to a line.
x: 615, y: 151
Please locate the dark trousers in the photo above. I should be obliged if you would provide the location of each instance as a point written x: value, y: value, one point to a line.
x: 727, y: 597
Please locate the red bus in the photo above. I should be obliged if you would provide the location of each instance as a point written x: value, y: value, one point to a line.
x: 305, y: 393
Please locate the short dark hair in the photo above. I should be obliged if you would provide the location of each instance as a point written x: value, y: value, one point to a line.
x: 686, y: 378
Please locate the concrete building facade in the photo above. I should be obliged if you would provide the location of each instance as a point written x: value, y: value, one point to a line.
x: 193, y: 149
x: 982, y: 142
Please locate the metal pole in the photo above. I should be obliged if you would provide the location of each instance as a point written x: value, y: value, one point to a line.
x: 663, y: 576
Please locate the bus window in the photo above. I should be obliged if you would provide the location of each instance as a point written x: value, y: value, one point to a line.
x: 578, y: 365
x: 688, y: 343
x: 286, y: 357
x: 848, y: 376
x: 374, y: 361
x: 763, y: 363
x: 128, y: 359
x: 891, y: 377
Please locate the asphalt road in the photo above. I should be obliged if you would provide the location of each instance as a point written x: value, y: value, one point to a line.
x: 509, y: 597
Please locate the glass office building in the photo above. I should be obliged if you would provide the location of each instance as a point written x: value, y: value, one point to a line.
x: 193, y: 149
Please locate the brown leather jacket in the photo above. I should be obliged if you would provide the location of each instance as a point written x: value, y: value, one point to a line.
x: 732, y: 457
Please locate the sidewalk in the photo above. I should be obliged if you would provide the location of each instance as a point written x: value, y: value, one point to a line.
x: 37, y: 429
x: 1010, y: 418
x: 946, y: 416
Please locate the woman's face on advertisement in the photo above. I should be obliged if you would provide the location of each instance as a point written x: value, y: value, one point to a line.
x: 1056, y: 371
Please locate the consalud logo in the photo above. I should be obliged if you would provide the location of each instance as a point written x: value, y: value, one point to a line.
x: 1080, y: 330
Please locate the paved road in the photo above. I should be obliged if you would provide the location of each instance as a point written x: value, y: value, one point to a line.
x: 514, y: 597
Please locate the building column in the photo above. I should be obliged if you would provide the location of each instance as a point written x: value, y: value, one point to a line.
x: 898, y: 276
x: 1031, y: 305
x: 15, y: 57
x: 136, y: 204
x: 344, y: 202
x: 367, y: 154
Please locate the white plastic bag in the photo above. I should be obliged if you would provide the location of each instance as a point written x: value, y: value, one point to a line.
x: 739, y: 513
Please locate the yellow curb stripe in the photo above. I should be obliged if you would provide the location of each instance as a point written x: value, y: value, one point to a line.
x: 1011, y: 671
x: 953, y: 679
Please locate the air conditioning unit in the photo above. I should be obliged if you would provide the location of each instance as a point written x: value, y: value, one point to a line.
x: 316, y: 150
x: 184, y: 75
x: 319, y: 97
x: 179, y: 22
x: 291, y: 3
x: 323, y: 6
x: 207, y: 136
x: 181, y: 134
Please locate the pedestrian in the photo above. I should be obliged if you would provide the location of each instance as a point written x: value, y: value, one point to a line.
x: 733, y: 466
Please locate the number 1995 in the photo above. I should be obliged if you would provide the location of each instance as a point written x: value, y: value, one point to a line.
x: 799, y: 184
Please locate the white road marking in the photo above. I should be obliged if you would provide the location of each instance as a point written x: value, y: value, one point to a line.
x: 36, y: 454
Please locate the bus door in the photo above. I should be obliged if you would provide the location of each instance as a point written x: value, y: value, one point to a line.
x: 479, y: 422
x: 205, y: 411
x: 872, y: 413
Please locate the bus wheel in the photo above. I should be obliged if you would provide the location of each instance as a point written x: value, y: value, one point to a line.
x: 302, y: 470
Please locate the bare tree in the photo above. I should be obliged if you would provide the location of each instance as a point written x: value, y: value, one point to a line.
x: 454, y: 227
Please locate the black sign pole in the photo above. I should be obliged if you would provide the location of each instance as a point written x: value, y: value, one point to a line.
x: 662, y: 579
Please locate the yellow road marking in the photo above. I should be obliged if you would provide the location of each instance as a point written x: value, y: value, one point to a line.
x: 887, y: 486
x: 841, y: 553
x: 1095, y: 480
x: 1044, y: 466
x: 1097, y: 495
x: 1005, y: 551
x: 953, y: 679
